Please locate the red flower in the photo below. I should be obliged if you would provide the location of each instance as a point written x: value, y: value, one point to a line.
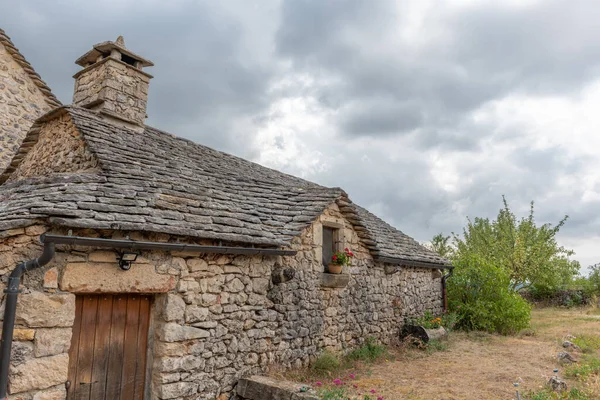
x: 351, y: 254
x: 334, y: 258
x: 346, y: 250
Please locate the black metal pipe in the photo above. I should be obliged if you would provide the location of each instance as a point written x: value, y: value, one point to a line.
x: 444, y: 291
x: 139, y: 245
x: 10, y: 310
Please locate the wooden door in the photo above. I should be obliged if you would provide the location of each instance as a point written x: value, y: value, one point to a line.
x: 108, y: 348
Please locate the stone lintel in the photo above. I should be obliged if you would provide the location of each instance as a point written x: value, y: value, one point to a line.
x: 334, y: 280
x: 109, y: 278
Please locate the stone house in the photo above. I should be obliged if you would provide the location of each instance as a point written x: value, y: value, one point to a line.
x: 158, y: 268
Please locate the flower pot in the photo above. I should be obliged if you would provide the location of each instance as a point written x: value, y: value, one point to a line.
x: 334, y: 268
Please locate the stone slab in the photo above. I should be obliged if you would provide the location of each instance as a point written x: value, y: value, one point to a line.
x: 334, y: 280
x: 264, y: 388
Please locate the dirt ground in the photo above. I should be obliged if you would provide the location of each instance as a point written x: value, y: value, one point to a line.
x: 482, y: 366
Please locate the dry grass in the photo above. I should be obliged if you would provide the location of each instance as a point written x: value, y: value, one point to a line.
x: 482, y: 366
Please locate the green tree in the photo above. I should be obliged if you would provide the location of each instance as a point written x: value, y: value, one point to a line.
x: 441, y: 245
x: 529, y: 253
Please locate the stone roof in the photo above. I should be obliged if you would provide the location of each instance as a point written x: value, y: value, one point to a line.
x: 154, y: 181
x: 35, y: 77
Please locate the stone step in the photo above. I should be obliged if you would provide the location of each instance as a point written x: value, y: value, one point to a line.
x: 264, y: 388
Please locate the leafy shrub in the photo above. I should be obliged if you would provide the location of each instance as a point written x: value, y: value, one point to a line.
x: 369, y: 352
x: 480, y: 293
x: 326, y: 363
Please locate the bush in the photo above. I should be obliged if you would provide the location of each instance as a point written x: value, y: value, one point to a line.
x: 479, y: 292
x: 368, y: 352
x: 326, y: 363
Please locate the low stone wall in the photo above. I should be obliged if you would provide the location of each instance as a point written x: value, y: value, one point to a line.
x: 216, y: 318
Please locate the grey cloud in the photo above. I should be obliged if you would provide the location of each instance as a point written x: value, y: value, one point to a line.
x: 380, y: 117
x: 215, y: 68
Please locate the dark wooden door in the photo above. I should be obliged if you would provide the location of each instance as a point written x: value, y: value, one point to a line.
x: 108, y: 348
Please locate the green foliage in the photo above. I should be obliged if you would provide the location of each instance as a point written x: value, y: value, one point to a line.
x: 427, y: 321
x: 479, y: 292
x: 529, y: 253
x: 342, y: 257
x: 436, y: 345
x: 333, y: 393
x: 573, y: 394
x: 326, y: 363
x: 329, y: 363
x: 369, y: 352
x: 587, y: 344
x: 441, y: 245
x: 584, y: 369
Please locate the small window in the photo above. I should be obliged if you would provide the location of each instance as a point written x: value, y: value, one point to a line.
x: 330, y: 239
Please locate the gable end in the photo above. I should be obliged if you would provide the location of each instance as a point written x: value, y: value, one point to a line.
x: 52, y: 147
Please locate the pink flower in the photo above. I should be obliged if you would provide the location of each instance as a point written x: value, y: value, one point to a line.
x: 352, y: 376
x: 318, y: 383
x: 355, y: 386
x: 372, y: 390
x: 379, y: 397
x: 337, y: 381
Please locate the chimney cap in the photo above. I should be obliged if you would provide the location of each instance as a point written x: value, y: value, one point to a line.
x: 105, y: 49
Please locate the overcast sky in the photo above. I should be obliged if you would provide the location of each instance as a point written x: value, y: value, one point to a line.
x: 425, y: 112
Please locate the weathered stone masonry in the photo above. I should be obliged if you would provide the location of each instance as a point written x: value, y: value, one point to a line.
x: 216, y: 317
x: 21, y: 100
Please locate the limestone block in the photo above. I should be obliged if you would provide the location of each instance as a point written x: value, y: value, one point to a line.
x: 51, y: 279
x: 197, y: 264
x: 174, y: 308
x: 104, y: 278
x: 196, y: 314
x: 49, y: 342
x: 37, y: 309
x: 23, y: 334
x: 39, y: 373
x: 103, y: 256
x: 51, y: 394
x: 177, y: 390
x: 260, y: 285
x: 173, y: 332
x: 21, y: 352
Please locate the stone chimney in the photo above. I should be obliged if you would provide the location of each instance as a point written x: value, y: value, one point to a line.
x: 112, y: 82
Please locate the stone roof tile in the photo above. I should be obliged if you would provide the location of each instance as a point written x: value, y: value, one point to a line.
x: 154, y: 181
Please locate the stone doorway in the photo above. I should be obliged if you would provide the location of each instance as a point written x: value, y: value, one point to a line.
x: 107, y: 359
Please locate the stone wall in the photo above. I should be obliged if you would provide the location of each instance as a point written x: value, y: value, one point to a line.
x: 59, y: 149
x: 115, y: 87
x: 21, y: 102
x: 216, y: 318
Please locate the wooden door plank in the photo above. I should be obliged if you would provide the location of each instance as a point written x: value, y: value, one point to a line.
x: 117, y: 339
x: 101, y: 347
x: 86, y: 347
x: 74, y: 349
x: 130, y: 352
x: 142, y: 345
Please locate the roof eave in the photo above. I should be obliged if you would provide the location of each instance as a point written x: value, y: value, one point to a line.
x: 414, y: 263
